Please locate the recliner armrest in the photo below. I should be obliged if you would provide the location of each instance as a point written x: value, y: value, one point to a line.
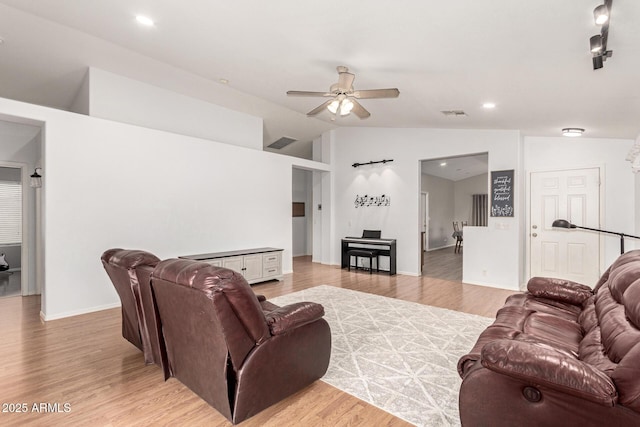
x: 559, y: 290
x: 293, y: 316
x: 538, y: 363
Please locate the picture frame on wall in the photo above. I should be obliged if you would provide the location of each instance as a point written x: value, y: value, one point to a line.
x: 502, y: 193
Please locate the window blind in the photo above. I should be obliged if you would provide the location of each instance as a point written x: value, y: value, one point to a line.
x: 10, y: 212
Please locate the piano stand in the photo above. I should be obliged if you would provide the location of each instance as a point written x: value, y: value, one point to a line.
x: 364, y: 253
x: 383, y: 247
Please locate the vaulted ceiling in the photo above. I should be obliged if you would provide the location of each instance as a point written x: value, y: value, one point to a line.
x: 531, y: 59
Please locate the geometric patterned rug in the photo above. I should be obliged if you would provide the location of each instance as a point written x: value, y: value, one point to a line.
x: 397, y: 355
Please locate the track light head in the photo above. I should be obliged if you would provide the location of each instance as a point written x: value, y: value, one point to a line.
x: 601, y: 14
x: 595, y: 42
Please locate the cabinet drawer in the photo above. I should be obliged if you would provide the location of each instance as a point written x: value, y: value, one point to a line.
x: 271, y: 271
x: 271, y: 260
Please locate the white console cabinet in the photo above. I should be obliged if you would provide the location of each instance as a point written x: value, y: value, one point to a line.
x: 256, y: 265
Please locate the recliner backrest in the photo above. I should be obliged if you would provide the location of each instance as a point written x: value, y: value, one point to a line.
x: 617, y: 306
x: 230, y: 296
x: 124, y: 268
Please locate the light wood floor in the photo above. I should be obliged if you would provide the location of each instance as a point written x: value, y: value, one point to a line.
x: 443, y: 264
x: 84, y: 362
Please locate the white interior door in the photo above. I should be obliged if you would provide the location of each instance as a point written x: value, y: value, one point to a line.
x: 571, y: 254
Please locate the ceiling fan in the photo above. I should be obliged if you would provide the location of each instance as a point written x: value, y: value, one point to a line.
x: 344, y: 98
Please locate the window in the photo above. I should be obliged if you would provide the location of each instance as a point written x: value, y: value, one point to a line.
x: 10, y: 212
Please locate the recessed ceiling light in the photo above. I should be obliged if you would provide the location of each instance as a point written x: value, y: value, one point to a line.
x: 489, y: 105
x: 145, y: 20
x: 572, y: 132
x: 1, y: 40
x: 224, y: 81
x: 443, y: 164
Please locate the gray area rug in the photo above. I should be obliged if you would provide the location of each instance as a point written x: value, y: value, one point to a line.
x: 397, y: 355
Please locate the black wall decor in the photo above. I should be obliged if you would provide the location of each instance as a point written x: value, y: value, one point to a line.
x: 502, y: 193
x: 366, y: 201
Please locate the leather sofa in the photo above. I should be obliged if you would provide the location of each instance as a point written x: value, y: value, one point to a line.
x: 560, y: 354
x: 237, y: 351
x: 130, y: 273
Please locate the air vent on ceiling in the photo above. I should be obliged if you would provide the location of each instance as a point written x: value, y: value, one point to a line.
x: 454, y: 113
x: 281, y: 143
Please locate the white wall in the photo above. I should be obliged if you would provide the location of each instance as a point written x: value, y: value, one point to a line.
x: 463, y: 191
x: 401, y: 181
x: 109, y: 184
x: 441, y: 210
x: 546, y: 154
x: 121, y: 99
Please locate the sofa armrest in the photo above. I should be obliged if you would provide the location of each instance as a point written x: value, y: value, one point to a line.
x: 559, y: 290
x: 292, y: 316
x: 537, y: 363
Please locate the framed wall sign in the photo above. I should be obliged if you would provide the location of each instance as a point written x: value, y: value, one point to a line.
x: 502, y: 193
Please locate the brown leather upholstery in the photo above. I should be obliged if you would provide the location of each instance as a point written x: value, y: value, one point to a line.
x: 130, y: 273
x: 560, y: 354
x: 237, y: 351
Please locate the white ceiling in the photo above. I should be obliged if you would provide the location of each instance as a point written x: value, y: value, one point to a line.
x: 531, y: 58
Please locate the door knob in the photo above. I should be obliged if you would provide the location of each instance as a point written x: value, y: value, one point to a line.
x: 535, y: 235
x: 534, y: 227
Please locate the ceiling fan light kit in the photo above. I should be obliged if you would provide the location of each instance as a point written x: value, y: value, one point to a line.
x: 344, y: 97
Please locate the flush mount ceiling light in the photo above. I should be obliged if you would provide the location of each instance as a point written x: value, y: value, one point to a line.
x: 489, y: 105
x: 598, y: 43
x: 572, y: 132
x: 145, y: 20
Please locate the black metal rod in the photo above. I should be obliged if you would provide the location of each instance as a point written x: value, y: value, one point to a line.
x: 355, y: 165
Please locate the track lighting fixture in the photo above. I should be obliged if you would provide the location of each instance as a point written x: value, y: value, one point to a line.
x: 598, y: 43
x: 601, y: 14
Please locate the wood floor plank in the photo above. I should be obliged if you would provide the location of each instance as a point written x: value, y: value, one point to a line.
x: 84, y: 362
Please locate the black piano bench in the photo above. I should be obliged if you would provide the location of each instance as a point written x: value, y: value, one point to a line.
x: 364, y: 253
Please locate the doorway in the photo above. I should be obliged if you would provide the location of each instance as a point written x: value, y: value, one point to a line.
x: 21, y: 150
x: 450, y: 183
x: 302, y: 225
x: 11, y: 226
x: 573, y: 195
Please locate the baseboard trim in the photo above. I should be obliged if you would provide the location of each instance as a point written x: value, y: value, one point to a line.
x: 72, y: 313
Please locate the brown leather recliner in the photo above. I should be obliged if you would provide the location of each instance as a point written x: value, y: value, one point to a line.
x: 238, y: 352
x: 130, y: 273
x: 560, y: 354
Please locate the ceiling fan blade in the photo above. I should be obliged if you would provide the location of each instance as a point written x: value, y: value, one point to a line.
x: 319, y: 108
x: 376, y: 93
x: 345, y: 81
x: 359, y: 110
x: 306, y: 93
